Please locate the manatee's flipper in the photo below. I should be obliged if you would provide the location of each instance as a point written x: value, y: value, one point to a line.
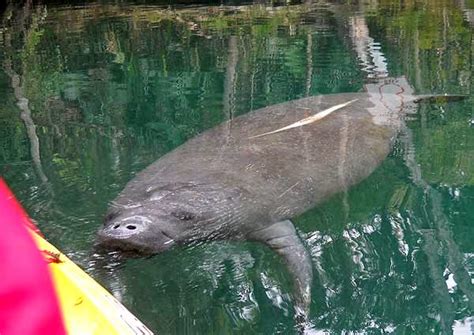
x: 283, y: 239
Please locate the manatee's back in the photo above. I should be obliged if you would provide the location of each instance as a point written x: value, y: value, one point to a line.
x: 287, y: 172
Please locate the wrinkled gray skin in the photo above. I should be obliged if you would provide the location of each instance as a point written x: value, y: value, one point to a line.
x: 223, y: 184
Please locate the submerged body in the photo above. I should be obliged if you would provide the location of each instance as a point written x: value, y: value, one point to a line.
x: 244, y: 179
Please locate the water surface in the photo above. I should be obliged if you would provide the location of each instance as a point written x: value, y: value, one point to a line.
x: 92, y: 93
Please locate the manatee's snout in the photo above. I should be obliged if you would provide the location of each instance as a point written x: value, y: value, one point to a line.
x: 125, y: 228
x: 134, y: 232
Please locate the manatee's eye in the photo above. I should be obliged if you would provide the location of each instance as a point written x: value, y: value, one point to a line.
x: 183, y: 215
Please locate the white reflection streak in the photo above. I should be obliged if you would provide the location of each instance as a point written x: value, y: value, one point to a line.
x: 351, y: 235
x: 246, y: 306
x: 368, y: 51
x: 450, y: 282
x: 397, y: 230
x: 273, y: 292
x: 464, y: 327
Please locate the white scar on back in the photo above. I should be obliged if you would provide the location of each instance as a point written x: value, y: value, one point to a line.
x: 307, y: 120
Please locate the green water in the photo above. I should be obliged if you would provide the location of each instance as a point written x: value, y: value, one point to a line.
x: 108, y: 87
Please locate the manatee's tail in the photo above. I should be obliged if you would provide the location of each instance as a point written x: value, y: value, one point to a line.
x: 439, y: 98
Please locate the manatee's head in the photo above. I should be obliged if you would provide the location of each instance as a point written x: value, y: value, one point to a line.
x: 155, y: 221
x: 139, y: 230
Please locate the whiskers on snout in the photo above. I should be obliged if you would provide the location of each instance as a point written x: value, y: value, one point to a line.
x: 133, y: 233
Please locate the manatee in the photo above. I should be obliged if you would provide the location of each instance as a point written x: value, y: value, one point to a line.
x: 246, y: 178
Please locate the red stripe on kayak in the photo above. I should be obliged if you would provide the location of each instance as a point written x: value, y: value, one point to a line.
x: 28, y: 304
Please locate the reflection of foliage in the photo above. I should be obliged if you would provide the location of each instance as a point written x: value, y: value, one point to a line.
x: 12, y: 133
x: 42, y: 68
x: 66, y: 169
x: 432, y: 41
x: 446, y: 146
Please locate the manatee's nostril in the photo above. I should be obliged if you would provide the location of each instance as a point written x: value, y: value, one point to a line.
x: 116, y: 226
x: 131, y: 227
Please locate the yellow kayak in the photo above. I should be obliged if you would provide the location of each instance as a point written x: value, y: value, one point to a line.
x: 87, y: 307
